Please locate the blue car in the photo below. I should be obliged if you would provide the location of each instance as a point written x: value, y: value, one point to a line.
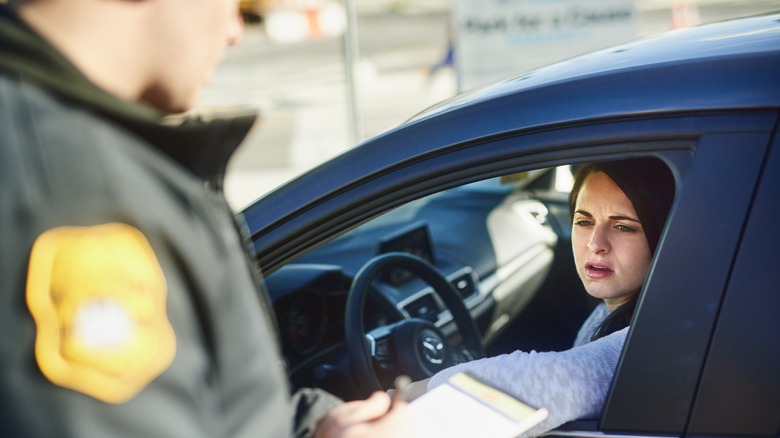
x: 458, y: 220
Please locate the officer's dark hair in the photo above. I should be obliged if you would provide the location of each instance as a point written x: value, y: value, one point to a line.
x: 649, y: 185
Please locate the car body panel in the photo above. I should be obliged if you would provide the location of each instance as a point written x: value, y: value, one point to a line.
x: 748, y: 328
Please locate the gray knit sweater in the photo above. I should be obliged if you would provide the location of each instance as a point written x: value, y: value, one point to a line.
x: 571, y: 384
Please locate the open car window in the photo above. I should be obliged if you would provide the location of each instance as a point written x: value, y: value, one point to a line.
x: 504, y: 243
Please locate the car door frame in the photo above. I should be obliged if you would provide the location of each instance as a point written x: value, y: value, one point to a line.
x: 698, y: 146
x: 739, y: 391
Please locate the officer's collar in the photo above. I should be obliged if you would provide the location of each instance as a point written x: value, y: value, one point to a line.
x: 199, y: 143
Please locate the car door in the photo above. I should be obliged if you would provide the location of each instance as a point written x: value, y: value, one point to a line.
x: 656, y: 384
x: 739, y: 391
x: 716, y: 158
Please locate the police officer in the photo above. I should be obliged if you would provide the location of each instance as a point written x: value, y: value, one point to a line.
x: 128, y: 304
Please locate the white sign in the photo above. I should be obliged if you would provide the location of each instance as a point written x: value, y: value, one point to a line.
x: 497, y: 39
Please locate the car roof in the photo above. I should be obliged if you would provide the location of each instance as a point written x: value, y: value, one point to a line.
x: 731, y: 64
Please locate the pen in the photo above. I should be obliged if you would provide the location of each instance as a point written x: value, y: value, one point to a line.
x: 401, y: 383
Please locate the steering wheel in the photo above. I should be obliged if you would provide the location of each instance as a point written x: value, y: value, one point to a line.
x: 417, y: 346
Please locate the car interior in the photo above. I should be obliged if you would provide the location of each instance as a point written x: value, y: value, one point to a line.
x: 480, y: 269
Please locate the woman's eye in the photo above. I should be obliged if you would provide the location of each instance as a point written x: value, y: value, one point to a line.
x: 582, y: 223
x: 624, y: 228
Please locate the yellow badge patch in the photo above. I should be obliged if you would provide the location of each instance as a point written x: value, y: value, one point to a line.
x: 97, y: 295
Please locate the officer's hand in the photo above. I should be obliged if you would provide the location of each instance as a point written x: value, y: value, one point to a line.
x: 374, y: 417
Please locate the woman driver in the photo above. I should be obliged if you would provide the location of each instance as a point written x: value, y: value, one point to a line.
x: 618, y: 212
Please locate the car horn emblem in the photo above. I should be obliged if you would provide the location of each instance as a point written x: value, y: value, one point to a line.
x: 433, y: 350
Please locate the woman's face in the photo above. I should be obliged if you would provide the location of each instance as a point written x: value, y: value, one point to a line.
x: 610, y: 248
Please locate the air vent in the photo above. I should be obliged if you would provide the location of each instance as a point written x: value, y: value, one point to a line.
x: 464, y: 284
x: 424, y: 308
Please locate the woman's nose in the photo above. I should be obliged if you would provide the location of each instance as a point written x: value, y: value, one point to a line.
x: 598, y: 242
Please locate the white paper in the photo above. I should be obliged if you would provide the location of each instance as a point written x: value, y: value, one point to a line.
x: 464, y: 407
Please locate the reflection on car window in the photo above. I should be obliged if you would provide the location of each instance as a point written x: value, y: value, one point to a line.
x: 488, y: 185
x: 563, y: 179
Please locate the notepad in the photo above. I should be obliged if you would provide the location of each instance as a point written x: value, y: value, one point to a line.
x: 467, y: 407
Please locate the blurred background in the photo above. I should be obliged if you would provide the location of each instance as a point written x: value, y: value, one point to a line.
x: 326, y: 75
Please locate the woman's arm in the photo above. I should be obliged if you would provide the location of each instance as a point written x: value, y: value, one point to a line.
x: 572, y: 384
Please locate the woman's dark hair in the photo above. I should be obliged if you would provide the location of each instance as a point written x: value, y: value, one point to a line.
x: 649, y: 185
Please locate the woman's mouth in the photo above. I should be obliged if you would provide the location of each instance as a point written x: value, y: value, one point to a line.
x: 597, y: 270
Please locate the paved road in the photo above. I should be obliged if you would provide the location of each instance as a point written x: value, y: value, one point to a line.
x: 301, y: 92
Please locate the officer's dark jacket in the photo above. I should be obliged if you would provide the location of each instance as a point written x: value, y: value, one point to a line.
x: 74, y: 155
